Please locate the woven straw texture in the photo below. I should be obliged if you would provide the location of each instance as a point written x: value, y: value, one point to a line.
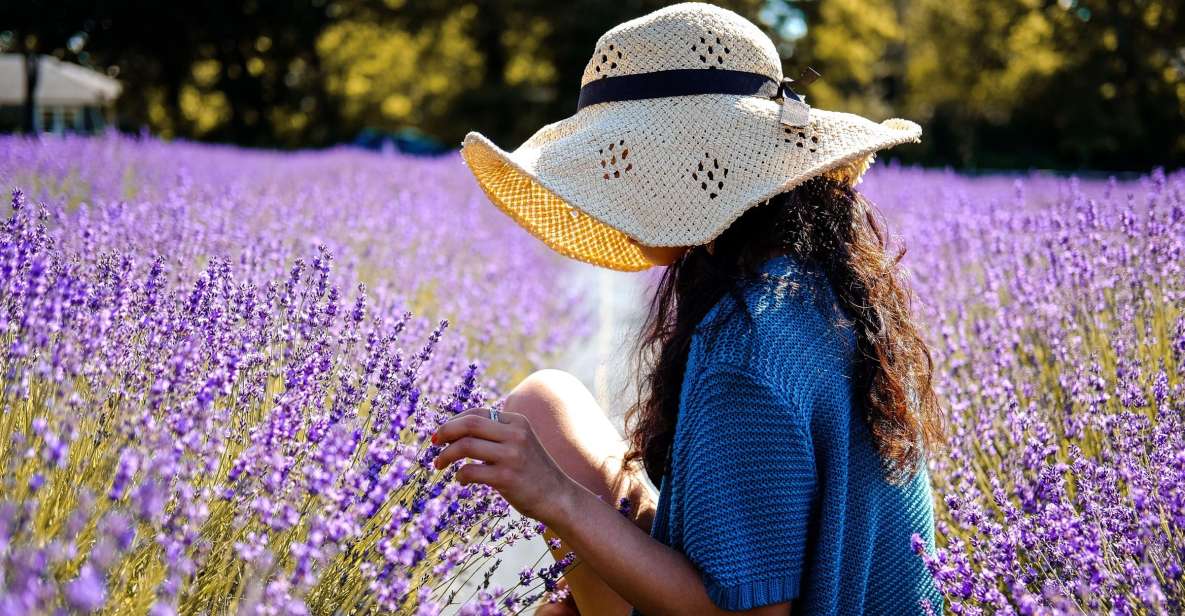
x: 673, y: 171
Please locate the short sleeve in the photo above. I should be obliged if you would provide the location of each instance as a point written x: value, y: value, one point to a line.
x: 748, y: 475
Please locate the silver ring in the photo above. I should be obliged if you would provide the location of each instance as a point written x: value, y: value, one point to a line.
x: 494, y: 412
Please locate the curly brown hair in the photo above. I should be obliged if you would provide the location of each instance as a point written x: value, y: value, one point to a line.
x: 826, y: 222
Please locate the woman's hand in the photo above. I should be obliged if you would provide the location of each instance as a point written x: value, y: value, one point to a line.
x: 646, y: 573
x: 513, y: 461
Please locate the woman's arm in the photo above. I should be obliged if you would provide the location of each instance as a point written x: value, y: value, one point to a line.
x: 651, y: 576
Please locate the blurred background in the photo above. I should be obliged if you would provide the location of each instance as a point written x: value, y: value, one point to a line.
x: 1006, y: 84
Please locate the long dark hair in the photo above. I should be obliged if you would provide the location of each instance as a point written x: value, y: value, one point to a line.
x: 823, y: 222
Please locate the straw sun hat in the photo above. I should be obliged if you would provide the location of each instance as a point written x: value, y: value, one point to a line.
x: 684, y: 122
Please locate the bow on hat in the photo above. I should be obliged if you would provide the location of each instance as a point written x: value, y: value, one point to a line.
x: 795, y: 112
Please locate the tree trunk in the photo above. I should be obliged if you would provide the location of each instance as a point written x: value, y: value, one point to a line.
x: 32, y: 68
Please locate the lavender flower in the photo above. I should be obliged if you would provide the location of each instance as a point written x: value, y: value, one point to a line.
x: 1056, y: 313
x: 217, y: 393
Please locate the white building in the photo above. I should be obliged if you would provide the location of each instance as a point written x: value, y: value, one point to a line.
x: 68, y: 98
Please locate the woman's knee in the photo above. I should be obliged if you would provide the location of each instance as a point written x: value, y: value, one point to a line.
x: 569, y: 423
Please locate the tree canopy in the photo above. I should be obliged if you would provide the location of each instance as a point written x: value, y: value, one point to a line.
x: 1007, y: 83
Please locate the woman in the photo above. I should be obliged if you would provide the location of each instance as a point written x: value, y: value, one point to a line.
x: 787, y: 407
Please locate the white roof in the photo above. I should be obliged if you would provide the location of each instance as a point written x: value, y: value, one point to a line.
x: 58, y: 83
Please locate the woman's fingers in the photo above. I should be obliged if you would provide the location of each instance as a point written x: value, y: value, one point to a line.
x: 487, y: 474
x: 468, y: 447
x: 474, y: 422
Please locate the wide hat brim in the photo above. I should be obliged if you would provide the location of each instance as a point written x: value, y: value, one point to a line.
x: 674, y: 171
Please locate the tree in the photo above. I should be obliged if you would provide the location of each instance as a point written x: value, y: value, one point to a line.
x: 32, y: 64
x: 1033, y: 82
x: 856, y: 45
x: 265, y: 72
x: 1007, y: 83
x: 33, y: 34
x: 528, y: 57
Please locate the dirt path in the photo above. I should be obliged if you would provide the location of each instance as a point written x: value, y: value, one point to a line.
x: 605, y: 364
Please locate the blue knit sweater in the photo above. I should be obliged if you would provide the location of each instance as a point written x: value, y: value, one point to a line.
x: 775, y: 490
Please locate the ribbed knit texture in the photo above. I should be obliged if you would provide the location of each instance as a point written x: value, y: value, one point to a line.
x: 776, y: 492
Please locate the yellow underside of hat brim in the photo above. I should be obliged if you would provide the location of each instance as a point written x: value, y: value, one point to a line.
x: 548, y: 217
x: 552, y: 186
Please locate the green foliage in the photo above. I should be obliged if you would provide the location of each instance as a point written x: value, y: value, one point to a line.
x: 854, y: 44
x: 1067, y: 83
x: 532, y: 53
x: 1008, y: 83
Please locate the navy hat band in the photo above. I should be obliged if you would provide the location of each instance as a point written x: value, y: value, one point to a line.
x: 676, y: 82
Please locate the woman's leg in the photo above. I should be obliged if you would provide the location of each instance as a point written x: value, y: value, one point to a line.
x: 586, y: 445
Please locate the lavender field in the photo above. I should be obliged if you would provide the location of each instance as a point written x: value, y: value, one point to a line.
x: 1055, y: 314
x: 220, y: 368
